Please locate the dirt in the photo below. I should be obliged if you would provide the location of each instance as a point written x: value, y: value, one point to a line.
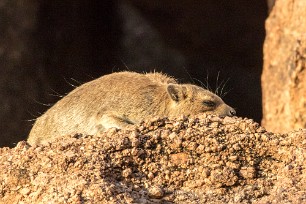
x: 201, y: 159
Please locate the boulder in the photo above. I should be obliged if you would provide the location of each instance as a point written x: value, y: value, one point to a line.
x: 284, y: 73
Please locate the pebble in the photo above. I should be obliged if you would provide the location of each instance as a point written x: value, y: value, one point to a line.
x: 155, y: 192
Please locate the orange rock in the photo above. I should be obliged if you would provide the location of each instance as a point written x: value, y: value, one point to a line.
x: 179, y: 158
x: 284, y: 72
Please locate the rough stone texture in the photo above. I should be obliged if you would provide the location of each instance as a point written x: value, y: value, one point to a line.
x: 284, y: 73
x: 202, y: 159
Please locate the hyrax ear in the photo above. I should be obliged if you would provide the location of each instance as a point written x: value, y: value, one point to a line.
x: 177, y: 92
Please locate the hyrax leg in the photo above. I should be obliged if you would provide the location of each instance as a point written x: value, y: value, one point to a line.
x: 110, y: 121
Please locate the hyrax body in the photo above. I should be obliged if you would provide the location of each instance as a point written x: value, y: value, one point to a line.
x: 123, y: 98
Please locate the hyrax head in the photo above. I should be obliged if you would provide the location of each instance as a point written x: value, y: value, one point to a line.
x: 190, y: 99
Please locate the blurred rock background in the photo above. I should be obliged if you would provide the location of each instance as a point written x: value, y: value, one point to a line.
x: 284, y: 71
x: 47, y: 45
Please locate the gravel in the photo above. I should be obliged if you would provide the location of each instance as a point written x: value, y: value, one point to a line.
x: 199, y: 159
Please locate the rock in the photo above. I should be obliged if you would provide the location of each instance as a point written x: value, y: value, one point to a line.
x: 284, y: 73
x: 127, y: 172
x: 179, y: 159
x: 156, y: 192
x: 240, y: 167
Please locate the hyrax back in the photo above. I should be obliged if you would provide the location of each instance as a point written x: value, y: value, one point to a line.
x: 123, y: 98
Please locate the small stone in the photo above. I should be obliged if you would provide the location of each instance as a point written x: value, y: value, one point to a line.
x: 233, y: 157
x: 232, y: 165
x: 192, y: 146
x: 177, y: 143
x: 179, y: 158
x: 127, y: 172
x: 214, y: 125
x: 260, y: 130
x: 200, y: 149
x: 228, y: 120
x: 150, y: 175
x: 237, y: 147
x: 25, y: 191
x: 242, y: 126
x: 155, y: 192
x: 172, y: 135
x: 248, y: 172
x: 205, y: 173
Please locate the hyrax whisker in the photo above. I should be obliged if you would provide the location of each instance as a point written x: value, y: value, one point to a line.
x: 56, y: 94
x: 217, y: 85
x: 76, y: 81
x: 207, y: 82
x: 225, y: 93
x: 74, y: 86
x: 190, y: 77
x: 125, y: 65
x: 33, y: 115
x: 44, y: 104
x: 219, y: 89
x: 224, y: 84
x: 201, y: 83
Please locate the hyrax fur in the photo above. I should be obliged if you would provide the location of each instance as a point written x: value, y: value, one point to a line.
x: 120, y: 99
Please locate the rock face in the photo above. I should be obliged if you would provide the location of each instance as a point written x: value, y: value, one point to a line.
x: 202, y: 159
x: 284, y: 73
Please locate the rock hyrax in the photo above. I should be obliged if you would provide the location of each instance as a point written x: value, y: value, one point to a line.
x: 123, y: 98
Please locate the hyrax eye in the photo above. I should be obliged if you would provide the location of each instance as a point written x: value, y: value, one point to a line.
x: 209, y: 103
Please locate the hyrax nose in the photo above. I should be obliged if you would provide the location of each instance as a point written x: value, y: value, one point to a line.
x: 232, y: 112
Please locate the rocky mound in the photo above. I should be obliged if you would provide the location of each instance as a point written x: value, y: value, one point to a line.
x: 188, y: 160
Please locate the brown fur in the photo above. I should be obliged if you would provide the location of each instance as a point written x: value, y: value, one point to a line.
x: 122, y: 98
